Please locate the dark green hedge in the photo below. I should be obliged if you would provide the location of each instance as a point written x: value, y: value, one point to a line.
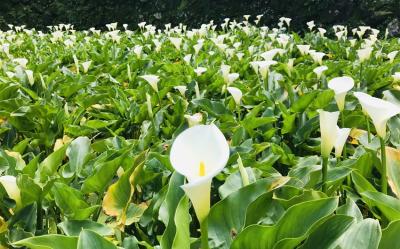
x: 87, y: 13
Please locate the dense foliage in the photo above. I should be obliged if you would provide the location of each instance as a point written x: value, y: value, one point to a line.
x: 87, y: 120
x: 96, y: 13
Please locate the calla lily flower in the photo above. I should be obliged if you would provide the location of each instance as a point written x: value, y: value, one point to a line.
x: 194, y: 119
x: 181, y: 89
x: 320, y: 70
x: 317, y: 57
x: 152, y: 80
x: 21, y: 61
x: 310, y: 25
x: 200, y: 70
x: 327, y: 124
x: 392, y: 55
x: 199, y: 153
x: 29, y: 75
x: 10, y: 185
x: 364, y: 54
x: 262, y: 67
x: 303, y: 49
x: 86, y: 66
x: 396, y: 77
x: 341, y: 85
x: 176, y: 42
x: 236, y: 94
x: 341, y: 138
x: 379, y: 110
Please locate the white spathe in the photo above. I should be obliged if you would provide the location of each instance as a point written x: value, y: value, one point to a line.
x: 199, y: 153
x: 364, y: 54
x: 200, y: 70
x: 181, y: 89
x: 327, y: 124
x: 86, y: 66
x: 29, y: 75
x: 303, y: 49
x: 10, y: 185
x: 320, y: 70
x: 379, y: 110
x: 236, y: 94
x: 341, y: 138
x: 152, y: 80
x: 392, y: 55
x: 341, y: 85
x: 176, y: 42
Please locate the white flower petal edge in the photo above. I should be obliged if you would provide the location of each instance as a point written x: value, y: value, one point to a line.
x: 379, y: 110
x: 341, y: 85
x: 10, y: 185
x: 199, y: 149
x: 328, y: 124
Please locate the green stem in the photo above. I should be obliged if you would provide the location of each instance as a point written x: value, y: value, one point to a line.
x: 344, y: 147
x: 368, y: 129
x: 383, y: 159
x: 324, y: 173
x: 39, y: 224
x: 239, y: 113
x: 204, y: 234
x: 361, y: 69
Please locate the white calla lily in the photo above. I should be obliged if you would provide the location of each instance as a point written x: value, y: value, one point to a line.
x: 392, y: 55
x: 396, y: 77
x: 199, y: 153
x: 176, y: 42
x: 364, y: 54
x: 236, y: 94
x: 10, y: 185
x: 303, y: 49
x: 320, y: 70
x: 152, y: 80
x: 317, y: 57
x: 327, y: 124
x: 181, y: 89
x: 379, y: 110
x: 29, y: 75
x: 341, y: 138
x: 86, y: 66
x: 341, y: 85
x: 200, y: 70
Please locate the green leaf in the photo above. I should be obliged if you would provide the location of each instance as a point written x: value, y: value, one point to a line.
x: 168, y: 207
x: 53, y: 241
x: 182, y: 221
x: 304, y: 101
x: 227, y: 217
x: 390, y: 236
x: 328, y: 232
x: 388, y: 205
x: 74, y: 227
x: 49, y: 166
x: 89, y: 239
x: 76, y: 152
x: 290, y: 229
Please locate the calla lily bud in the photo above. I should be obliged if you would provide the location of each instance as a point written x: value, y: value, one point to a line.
x: 341, y: 85
x: 379, y: 110
x: 327, y: 124
x: 199, y: 153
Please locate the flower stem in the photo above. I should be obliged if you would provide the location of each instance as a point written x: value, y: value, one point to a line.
x: 368, y: 129
x: 383, y: 160
x: 344, y: 147
x: 204, y: 234
x: 324, y: 173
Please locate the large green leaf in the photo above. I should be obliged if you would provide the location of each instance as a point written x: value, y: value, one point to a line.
x: 390, y: 236
x: 90, y: 239
x: 290, y: 231
x: 227, y: 217
x: 53, y: 241
x: 76, y: 152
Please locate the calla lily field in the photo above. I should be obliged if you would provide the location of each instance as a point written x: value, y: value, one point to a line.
x: 229, y: 135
